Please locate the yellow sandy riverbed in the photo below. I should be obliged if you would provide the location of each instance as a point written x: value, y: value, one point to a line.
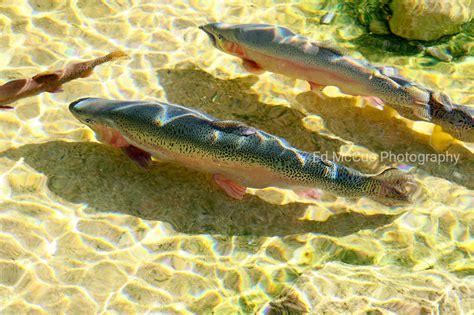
x: 83, y: 230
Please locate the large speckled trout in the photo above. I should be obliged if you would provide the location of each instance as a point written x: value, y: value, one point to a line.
x: 237, y: 155
x: 276, y: 49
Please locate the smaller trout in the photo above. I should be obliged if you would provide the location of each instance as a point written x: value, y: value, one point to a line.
x: 276, y: 49
x: 50, y: 81
x: 237, y: 155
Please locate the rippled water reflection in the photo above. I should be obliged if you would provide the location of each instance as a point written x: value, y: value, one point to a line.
x: 83, y: 230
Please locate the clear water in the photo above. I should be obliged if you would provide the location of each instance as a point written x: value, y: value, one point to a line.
x: 84, y: 231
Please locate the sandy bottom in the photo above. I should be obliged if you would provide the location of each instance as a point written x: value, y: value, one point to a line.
x: 83, y: 230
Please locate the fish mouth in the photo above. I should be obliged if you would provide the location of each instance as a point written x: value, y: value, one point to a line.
x: 72, y: 106
x: 211, y: 35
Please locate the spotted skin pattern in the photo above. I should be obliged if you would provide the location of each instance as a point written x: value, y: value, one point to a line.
x: 279, y: 50
x: 264, y: 47
x: 244, y: 155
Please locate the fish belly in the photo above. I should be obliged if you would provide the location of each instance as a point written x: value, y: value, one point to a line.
x: 323, y: 76
x: 249, y: 175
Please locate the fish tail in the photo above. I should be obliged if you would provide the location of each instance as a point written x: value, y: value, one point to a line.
x: 109, y: 57
x: 394, y: 187
x: 115, y: 55
x: 91, y: 64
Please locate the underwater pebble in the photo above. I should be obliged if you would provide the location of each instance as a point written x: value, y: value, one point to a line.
x: 143, y: 295
x: 85, y: 258
x: 328, y: 18
x: 41, y: 5
x: 10, y: 273
x: 439, y: 53
x: 10, y: 251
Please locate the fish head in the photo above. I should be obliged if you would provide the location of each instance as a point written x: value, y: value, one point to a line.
x: 234, y: 39
x: 100, y: 115
x: 93, y: 112
x: 221, y: 34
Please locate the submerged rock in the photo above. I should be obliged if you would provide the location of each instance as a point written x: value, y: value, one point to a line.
x: 429, y: 19
x: 439, y: 53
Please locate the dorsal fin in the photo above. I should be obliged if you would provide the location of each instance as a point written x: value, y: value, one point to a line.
x: 283, y: 31
x: 233, y: 126
x: 388, y: 71
x: 46, y: 76
x: 402, y: 81
x: 329, y: 45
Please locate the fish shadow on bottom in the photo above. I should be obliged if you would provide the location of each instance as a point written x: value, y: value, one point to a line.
x: 107, y: 181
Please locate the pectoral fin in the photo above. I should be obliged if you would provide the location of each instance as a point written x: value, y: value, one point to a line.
x: 140, y: 157
x: 252, y: 66
x: 315, y: 87
x: 233, y: 126
x: 232, y: 189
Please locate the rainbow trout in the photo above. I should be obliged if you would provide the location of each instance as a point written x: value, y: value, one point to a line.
x: 50, y: 81
x: 276, y: 49
x: 237, y: 155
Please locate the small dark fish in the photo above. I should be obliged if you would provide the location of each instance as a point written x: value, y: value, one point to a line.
x: 50, y: 81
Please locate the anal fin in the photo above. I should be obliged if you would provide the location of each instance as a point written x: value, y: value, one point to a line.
x: 374, y: 102
x: 231, y: 188
x: 310, y: 193
x: 47, y: 76
x: 140, y: 157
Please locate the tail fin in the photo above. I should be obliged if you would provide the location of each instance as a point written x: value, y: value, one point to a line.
x: 395, y: 187
x: 100, y: 60
x: 116, y: 54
